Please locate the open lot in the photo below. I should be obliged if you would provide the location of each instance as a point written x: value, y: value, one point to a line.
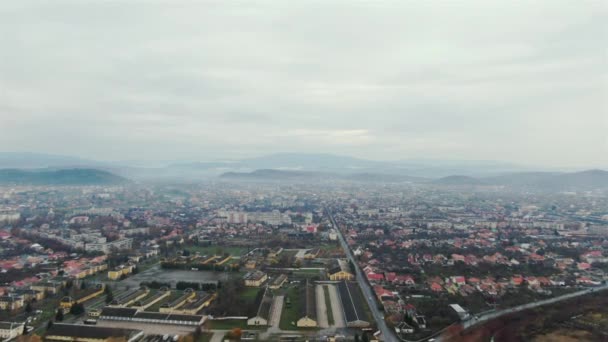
x: 156, y: 273
x: 217, y: 250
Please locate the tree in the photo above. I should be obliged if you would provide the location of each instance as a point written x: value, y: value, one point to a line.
x: 109, y: 295
x: 59, y: 315
x: 77, y: 309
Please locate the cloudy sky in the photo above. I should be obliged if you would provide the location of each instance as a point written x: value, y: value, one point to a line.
x: 516, y: 81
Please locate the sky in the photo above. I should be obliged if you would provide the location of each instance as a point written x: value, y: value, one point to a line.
x: 515, y: 81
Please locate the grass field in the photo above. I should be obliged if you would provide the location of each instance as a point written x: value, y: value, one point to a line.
x: 249, y: 293
x: 227, y: 324
x: 290, y: 313
x: 330, y: 313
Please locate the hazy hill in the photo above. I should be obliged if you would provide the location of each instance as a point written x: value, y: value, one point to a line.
x: 458, y: 180
x: 304, y: 176
x: 59, y: 177
x: 548, y: 181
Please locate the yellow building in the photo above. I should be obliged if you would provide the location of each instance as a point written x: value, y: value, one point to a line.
x: 340, y: 271
x: 90, y: 333
x: 188, y: 295
x: 196, y: 304
x: 255, y: 279
x: 11, y: 303
x: 67, y: 301
x: 119, y: 271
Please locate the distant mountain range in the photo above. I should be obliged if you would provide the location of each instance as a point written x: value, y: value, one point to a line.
x: 572, y: 181
x: 546, y: 181
x: 60, y: 177
x: 304, y: 167
x: 309, y: 176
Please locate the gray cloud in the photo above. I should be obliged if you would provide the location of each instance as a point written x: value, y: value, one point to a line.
x: 382, y: 80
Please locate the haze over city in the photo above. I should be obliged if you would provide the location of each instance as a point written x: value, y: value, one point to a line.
x: 390, y: 80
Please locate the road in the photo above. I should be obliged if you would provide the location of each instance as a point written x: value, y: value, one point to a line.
x: 387, y: 333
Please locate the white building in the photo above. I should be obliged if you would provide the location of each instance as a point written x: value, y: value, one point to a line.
x: 10, y: 330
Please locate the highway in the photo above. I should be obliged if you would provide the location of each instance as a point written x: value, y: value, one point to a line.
x: 387, y: 333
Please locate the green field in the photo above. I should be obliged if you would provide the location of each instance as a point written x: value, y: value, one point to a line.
x: 290, y: 313
x: 249, y: 293
x: 227, y: 324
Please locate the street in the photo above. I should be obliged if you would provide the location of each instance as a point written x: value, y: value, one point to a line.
x: 387, y: 332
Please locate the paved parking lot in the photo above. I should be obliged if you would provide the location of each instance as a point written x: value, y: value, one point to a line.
x: 156, y: 273
x: 336, y: 307
x: 321, y: 309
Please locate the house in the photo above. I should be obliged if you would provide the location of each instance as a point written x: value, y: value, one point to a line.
x: 458, y: 280
x: 90, y: 333
x: 312, y: 254
x: 10, y: 330
x: 10, y: 302
x: 308, y: 306
x: 375, y: 277
x: 255, y: 278
x: 340, y: 271
x: 583, y: 266
x: 517, y: 280
x: 435, y: 287
x: 404, y: 280
x: 273, y: 253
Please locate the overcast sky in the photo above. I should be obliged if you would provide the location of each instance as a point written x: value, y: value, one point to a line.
x: 521, y: 81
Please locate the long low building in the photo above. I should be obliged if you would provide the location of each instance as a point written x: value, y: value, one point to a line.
x: 308, y: 306
x: 196, y: 304
x: 147, y: 302
x: 89, y: 333
x: 130, y: 297
x: 264, y: 307
x: 169, y: 307
x: 353, y: 305
x: 134, y: 315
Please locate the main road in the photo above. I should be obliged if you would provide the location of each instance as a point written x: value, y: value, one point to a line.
x: 387, y: 333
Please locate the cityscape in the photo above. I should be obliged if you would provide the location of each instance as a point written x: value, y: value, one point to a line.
x: 303, y: 171
x: 285, y: 261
